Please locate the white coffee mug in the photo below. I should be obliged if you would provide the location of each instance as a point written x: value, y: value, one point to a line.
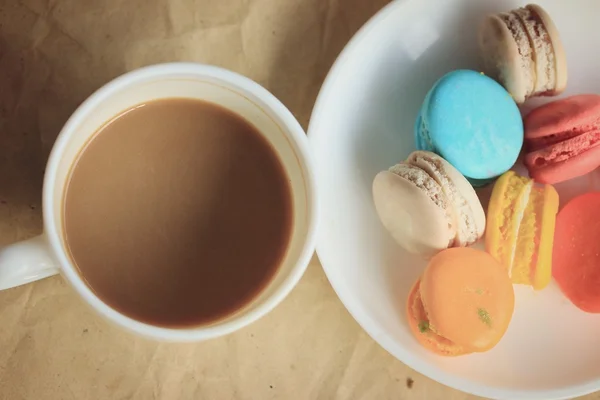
x: 45, y: 255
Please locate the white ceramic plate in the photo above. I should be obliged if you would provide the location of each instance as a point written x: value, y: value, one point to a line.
x: 362, y: 123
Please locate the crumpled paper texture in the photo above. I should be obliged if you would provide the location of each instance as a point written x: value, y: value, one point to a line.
x: 53, y: 54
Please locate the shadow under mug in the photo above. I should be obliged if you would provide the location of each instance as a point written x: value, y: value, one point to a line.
x: 46, y: 255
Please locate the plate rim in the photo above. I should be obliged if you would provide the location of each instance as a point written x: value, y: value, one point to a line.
x: 365, y: 322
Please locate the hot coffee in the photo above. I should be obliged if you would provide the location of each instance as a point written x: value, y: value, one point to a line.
x: 177, y: 213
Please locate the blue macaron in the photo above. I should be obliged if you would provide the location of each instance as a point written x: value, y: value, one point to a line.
x: 473, y: 122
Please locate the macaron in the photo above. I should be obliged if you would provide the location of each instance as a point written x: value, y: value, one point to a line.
x: 522, y: 49
x: 577, y: 252
x: 463, y: 303
x: 418, y: 321
x: 473, y: 123
x: 427, y: 205
x: 521, y: 220
x: 562, y: 138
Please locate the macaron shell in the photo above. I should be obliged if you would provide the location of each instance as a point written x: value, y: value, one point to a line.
x: 532, y: 263
x: 562, y: 171
x: 468, y: 297
x: 472, y: 122
x: 457, y: 189
x: 561, y: 119
x: 540, y: 44
x: 411, y: 217
x: 522, y: 49
x: 501, y: 58
x: 520, y: 228
x: 422, y: 140
x: 466, y: 191
x: 563, y: 139
x: 576, y: 258
x: 478, y: 183
x: 507, y: 203
x: 546, y: 213
x: 564, y: 150
x: 419, y: 325
x: 560, y: 58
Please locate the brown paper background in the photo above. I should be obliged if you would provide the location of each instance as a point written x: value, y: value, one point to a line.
x: 53, y: 54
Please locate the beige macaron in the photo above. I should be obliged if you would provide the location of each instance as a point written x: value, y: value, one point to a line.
x: 522, y: 50
x: 427, y: 205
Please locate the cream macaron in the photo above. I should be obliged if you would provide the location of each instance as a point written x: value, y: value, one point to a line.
x: 523, y: 51
x: 427, y: 205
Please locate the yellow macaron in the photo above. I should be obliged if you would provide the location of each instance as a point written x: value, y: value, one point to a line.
x: 520, y: 228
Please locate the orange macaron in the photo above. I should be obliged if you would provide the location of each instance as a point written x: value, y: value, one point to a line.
x: 418, y: 321
x: 463, y: 303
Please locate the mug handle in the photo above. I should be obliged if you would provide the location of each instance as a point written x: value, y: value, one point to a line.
x: 26, y: 261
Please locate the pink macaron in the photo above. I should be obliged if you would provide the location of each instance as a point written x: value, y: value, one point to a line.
x: 562, y: 139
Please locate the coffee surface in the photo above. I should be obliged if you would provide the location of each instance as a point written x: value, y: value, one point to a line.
x: 177, y: 213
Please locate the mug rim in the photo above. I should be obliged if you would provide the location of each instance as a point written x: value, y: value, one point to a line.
x: 293, y: 131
